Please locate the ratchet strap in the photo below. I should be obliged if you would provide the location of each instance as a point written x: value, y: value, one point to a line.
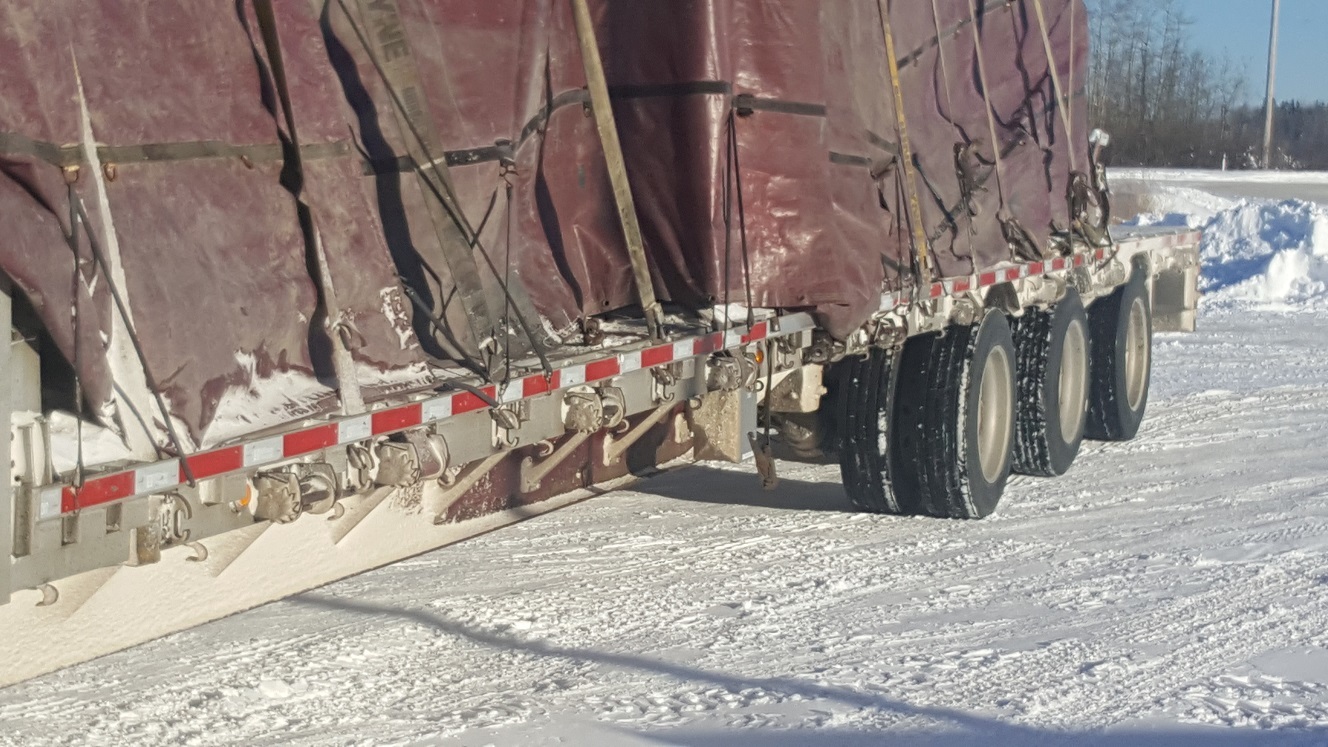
x: 340, y: 326
x: 986, y: 101
x: 920, y: 243
x: 390, y: 53
x: 1062, y: 96
x: 602, y: 108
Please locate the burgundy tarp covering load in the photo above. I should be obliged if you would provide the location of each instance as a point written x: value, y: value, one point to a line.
x: 207, y: 219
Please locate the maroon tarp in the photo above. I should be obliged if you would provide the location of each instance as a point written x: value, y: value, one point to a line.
x: 791, y: 98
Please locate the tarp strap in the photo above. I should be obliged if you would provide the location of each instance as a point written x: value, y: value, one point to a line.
x: 602, y: 107
x: 967, y: 185
x: 64, y: 156
x: 986, y: 101
x: 920, y: 244
x: 339, y: 326
x: 945, y: 68
x: 389, y: 52
x: 1062, y: 98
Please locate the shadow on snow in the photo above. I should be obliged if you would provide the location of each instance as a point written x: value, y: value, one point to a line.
x: 960, y: 728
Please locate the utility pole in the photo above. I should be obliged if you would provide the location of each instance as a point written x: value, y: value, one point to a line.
x: 1272, y: 80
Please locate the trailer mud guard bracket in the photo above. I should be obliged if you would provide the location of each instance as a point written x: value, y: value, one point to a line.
x: 720, y: 422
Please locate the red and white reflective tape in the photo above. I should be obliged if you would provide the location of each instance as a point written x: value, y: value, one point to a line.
x: 955, y: 286
x: 157, y: 477
x: 57, y: 500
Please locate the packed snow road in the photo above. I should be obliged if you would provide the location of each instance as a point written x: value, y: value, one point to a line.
x: 1311, y: 186
x: 1173, y: 590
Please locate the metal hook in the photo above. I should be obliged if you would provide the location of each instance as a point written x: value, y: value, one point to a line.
x: 200, y: 552
x: 50, y: 595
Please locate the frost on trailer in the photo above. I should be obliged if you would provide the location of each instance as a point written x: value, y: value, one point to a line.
x: 299, y: 289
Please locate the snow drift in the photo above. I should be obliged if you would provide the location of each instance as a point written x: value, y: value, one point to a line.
x: 1270, y: 255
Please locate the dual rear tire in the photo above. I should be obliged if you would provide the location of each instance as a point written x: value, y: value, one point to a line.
x: 937, y: 427
x: 1053, y: 355
x: 1121, y: 328
x: 940, y: 443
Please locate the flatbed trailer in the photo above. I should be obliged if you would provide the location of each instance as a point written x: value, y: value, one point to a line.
x: 928, y: 394
x: 186, y: 555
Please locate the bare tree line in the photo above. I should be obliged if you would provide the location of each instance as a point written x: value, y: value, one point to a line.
x: 1168, y: 104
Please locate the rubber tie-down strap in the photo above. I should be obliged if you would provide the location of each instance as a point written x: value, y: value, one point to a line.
x: 343, y: 363
x: 920, y: 244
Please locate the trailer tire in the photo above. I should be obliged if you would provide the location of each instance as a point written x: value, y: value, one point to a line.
x: 1052, y: 364
x: 865, y: 415
x: 955, y: 414
x: 1121, y: 327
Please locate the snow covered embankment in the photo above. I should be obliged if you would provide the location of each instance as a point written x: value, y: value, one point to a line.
x: 1257, y: 254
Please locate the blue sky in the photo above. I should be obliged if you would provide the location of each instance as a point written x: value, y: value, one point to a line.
x: 1239, y: 28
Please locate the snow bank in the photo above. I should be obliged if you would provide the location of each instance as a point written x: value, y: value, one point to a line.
x: 1256, y: 253
x: 1270, y: 255
x: 1182, y: 206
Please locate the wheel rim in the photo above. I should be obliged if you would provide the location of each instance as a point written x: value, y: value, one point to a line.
x: 1136, y: 354
x: 1073, y: 387
x: 995, y: 402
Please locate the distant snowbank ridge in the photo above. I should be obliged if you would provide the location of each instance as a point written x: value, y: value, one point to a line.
x: 1260, y: 254
x: 1226, y: 177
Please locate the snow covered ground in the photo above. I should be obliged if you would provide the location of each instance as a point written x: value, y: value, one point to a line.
x: 1271, y: 185
x: 1173, y: 590
x: 1192, y: 176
